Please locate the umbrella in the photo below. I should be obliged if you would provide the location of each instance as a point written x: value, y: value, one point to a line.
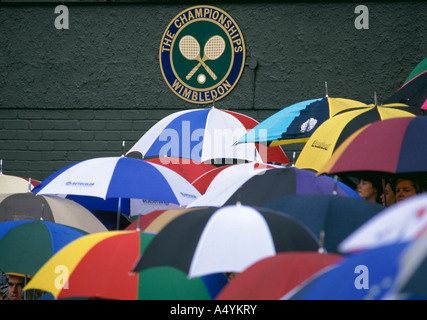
x: 25, y: 245
x: 121, y: 177
x: 205, y: 135
x: 263, y: 186
x: 403, y: 221
x: 336, y: 216
x: 413, y: 92
x: 228, y: 239
x: 419, y: 68
x: 411, y: 280
x: 99, y: 265
x: 188, y: 169
x: 392, y: 146
x: 297, y: 122
x: 155, y: 221
x: 224, y: 172
x: 331, y: 133
x: 15, y: 184
x: 271, y: 278
x: 28, y: 206
x: 368, y: 275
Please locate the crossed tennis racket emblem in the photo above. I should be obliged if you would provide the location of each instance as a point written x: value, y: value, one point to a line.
x: 190, y: 49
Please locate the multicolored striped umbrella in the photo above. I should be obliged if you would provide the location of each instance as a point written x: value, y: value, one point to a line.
x: 99, y: 266
x: 332, y: 133
x: 395, y: 146
x: 205, y: 135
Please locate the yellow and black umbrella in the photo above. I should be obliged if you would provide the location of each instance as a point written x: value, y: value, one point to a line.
x: 329, y: 136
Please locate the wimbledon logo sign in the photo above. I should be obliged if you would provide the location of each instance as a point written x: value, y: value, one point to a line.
x: 202, y: 54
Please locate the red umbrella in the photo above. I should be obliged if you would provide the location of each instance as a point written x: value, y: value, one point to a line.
x: 271, y: 278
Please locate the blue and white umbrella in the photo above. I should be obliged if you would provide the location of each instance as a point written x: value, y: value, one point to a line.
x: 205, y: 135
x: 121, y: 178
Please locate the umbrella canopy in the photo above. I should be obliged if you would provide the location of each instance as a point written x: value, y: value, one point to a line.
x: 99, y: 265
x: 271, y: 278
x: 224, y: 172
x: 419, y: 68
x: 411, y: 281
x: 367, y: 275
x: 336, y: 216
x: 190, y: 170
x: 15, y: 184
x: 155, y: 221
x: 413, y: 92
x: 25, y: 245
x: 205, y: 135
x: 228, y: 239
x: 121, y: 177
x: 260, y: 187
x: 394, y: 146
x: 403, y: 221
x: 330, y: 134
x: 297, y: 122
x: 28, y: 206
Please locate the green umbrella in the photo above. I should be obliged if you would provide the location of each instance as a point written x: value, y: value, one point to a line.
x: 25, y: 245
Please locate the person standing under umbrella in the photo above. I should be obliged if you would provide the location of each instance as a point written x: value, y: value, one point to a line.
x: 389, y: 196
x: 369, y: 189
x: 406, y: 188
x: 15, y: 290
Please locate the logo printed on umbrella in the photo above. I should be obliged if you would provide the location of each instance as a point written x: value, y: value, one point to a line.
x: 308, y: 125
x: 202, y: 54
x: 320, y: 145
x: 79, y: 184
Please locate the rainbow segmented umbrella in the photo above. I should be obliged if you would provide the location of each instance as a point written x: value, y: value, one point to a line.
x: 99, y: 266
x: 332, y: 133
x: 394, y: 146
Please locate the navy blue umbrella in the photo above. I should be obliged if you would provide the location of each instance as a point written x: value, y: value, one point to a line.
x: 334, y: 215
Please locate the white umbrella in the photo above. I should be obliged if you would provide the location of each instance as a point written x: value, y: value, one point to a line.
x: 403, y: 221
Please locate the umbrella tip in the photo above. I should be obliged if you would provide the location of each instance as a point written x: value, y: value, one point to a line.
x: 326, y: 89
x: 322, y: 242
x: 123, y: 148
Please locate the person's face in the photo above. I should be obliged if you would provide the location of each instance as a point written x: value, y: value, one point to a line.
x: 366, y: 190
x: 388, y: 195
x: 15, y: 287
x: 405, y: 189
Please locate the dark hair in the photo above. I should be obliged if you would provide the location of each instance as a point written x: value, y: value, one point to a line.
x: 377, y: 184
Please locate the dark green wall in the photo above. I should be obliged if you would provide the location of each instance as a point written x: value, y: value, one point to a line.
x: 70, y: 95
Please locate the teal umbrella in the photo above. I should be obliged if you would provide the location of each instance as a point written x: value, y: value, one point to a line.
x: 25, y: 245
